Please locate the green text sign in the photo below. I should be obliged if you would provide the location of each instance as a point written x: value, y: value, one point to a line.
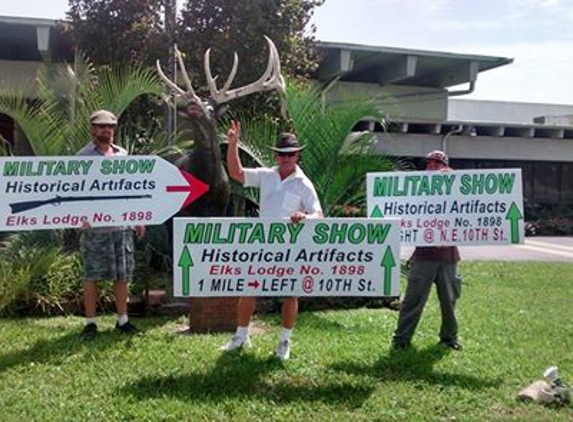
x: 260, y: 257
x: 471, y: 207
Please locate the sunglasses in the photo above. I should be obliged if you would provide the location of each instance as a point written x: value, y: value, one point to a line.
x: 434, y: 161
x: 286, y: 154
x: 105, y: 126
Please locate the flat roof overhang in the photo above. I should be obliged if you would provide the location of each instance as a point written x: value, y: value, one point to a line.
x: 31, y: 39
x: 398, y: 66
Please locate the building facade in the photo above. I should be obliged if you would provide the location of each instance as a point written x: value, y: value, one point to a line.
x: 415, y: 88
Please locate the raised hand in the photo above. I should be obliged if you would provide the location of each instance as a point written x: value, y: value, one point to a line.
x: 234, y: 133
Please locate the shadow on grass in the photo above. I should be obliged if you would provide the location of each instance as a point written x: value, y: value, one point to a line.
x: 56, y: 350
x: 245, y: 376
x: 413, y: 365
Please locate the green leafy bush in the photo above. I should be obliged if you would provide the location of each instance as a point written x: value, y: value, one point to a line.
x: 35, y: 273
x: 37, y: 276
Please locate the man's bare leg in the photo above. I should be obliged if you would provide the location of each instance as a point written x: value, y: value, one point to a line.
x: 90, y: 299
x: 289, y: 312
x: 245, y: 310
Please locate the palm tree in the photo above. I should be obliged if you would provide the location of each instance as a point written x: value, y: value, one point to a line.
x: 57, y: 123
x: 336, y: 159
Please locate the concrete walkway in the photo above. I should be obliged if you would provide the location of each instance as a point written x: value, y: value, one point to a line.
x: 559, y: 249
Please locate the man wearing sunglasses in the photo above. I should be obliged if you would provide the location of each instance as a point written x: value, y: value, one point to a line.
x: 286, y: 192
x: 107, y: 252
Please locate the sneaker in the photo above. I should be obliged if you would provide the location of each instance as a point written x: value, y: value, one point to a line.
x: 283, y: 351
x: 127, y: 328
x: 237, y: 342
x: 90, y: 331
x: 452, y: 344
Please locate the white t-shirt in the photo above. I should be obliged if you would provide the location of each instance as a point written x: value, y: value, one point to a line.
x: 281, y: 198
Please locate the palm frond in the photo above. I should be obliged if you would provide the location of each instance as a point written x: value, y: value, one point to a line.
x: 43, y: 130
x: 257, y: 134
x: 65, y: 92
x: 336, y: 159
x: 118, y: 88
x: 5, y: 147
x: 58, y: 122
x: 151, y: 140
x: 326, y: 130
x: 350, y: 178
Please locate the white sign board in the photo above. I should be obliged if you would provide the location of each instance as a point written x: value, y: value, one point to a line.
x: 464, y: 207
x: 265, y: 257
x: 60, y: 192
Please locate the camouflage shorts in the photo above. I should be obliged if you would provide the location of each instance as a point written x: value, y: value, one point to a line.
x: 107, y: 254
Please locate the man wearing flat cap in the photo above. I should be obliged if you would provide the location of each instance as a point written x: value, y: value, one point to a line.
x: 285, y: 192
x: 107, y: 252
x: 429, y: 265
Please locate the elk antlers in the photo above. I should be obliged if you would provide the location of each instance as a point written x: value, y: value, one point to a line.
x: 271, y: 79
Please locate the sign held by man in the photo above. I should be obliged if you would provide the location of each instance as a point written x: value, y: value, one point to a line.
x: 275, y: 257
x: 66, y: 192
x: 454, y: 207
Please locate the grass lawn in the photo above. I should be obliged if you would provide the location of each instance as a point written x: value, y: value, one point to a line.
x: 515, y: 320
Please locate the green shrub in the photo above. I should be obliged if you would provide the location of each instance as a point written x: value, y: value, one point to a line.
x: 60, y: 290
x: 38, y: 275
x: 26, y: 259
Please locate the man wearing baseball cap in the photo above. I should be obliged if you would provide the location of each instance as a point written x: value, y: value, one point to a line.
x: 107, y: 252
x: 285, y: 192
x: 429, y: 265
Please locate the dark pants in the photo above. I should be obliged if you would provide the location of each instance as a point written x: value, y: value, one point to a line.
x: 420, y: 279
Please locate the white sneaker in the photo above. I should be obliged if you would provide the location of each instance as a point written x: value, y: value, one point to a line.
x: 237, y: 342
x: 283, y: 351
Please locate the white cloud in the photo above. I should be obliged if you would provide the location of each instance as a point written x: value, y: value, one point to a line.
x: 540, y: 73
x: 540, y: 12
x: 431, y: 6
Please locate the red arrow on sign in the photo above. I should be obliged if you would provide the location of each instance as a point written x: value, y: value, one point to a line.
x: 254, y: 284
x: 195, y: 187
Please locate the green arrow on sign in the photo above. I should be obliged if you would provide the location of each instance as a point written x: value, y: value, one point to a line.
x: 377, y: 213
x: 387, y: 263
x: 514, y: 215
x: 185, y: 262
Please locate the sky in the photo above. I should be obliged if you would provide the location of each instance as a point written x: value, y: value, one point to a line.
x: 537, y: 34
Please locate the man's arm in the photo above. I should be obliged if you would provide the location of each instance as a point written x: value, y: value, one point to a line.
x: 297, y: 216
x: 139, y: 232
x: 233, y: 160
x: 311, y: 204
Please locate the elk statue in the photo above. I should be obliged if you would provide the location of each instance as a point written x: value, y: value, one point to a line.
x: 204, y: 160
x: 204, y: 163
